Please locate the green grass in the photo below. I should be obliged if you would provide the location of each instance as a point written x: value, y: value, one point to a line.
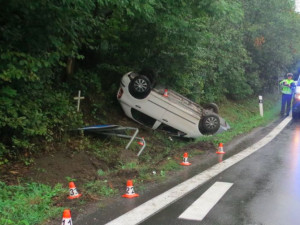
x: 243, y: 117
x: 28, y: 204
x: 100, y: 189
x: 170, y: 165
x: 33, y: 203
x: 130, y: 165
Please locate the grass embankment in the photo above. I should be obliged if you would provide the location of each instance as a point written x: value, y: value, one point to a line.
x: 29, y: 204
x: 243, y: 117
x: 34, y: 203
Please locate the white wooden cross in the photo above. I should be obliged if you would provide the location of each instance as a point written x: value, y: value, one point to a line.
x: 78, y: 98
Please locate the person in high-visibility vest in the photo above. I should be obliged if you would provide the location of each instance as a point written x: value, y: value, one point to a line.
x: 287, y: 86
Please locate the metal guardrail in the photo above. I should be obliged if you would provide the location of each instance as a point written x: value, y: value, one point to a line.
x: 114, y: 130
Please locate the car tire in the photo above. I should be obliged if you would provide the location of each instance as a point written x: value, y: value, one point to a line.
x: 140, y: 87
x: 150, y: 74
x: 209, y: 124
x: 213, y: 107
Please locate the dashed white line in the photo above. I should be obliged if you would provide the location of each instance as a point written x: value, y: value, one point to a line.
x: 201, y: 207
x: 154, y: 205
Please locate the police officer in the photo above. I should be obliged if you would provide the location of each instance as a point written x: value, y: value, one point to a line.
x: 287, y: 86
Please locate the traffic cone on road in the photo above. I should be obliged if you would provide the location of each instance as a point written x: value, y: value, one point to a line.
x: 130, y: 191
x: 166, y: 93
x: 220, y: 149
x: 73, y: 191
x: 66, y: 219
x: 185, y: 160
x: 220, y: 158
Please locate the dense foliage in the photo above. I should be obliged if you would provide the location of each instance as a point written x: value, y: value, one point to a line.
x: 207, y: 50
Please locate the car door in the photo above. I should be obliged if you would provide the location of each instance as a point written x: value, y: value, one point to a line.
x: 149, y: 111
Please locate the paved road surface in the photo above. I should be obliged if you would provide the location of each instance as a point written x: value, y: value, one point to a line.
x: 262, y: 189
x: 265, y: 190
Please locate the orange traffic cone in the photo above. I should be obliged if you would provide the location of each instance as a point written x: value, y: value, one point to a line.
x: 185, y: 160
x: 66, y: 219
x: 130, y: 191
x: 73, y: 191
x: 220, y: 150
x: 141, y: 142
x: 166, y: 93
x: 220, y: 158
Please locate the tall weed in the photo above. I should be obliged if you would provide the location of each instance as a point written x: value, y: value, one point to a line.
x: 28, y: 204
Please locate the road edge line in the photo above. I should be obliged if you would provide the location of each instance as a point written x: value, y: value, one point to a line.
x: 156, y: 204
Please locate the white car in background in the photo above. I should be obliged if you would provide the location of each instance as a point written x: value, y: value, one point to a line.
x: 167, y: 110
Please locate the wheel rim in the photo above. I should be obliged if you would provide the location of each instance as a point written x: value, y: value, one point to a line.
x: 140, y: 85
x: 211, y: 122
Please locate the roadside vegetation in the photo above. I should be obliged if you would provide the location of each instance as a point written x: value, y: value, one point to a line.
x: 28, y: 204
x: 206, y: 50
x: 223, y: 51
x: 33, y: 203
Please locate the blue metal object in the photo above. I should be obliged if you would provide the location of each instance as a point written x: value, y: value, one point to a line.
x: 119, y: 131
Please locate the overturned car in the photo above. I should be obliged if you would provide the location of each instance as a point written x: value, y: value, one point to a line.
x: 167, y: 110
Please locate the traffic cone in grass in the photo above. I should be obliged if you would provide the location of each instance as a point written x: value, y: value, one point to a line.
x: 220, y: 149
x: 166, y: 93
x: 141, y: 142
x: 185, y: 161
x: 130, y: 191
x: 66, y: 219
x: 73, y: 191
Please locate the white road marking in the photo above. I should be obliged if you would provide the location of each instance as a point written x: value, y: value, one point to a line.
x: 199, y: 209
x: 147, y: 209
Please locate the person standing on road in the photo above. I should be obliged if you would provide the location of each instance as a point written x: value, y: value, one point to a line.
x: 287, y: 86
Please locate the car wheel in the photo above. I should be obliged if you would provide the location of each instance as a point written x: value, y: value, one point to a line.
x: 213, y: 107
x: 140, y: 87
x: 150, y: 74
x: 209, y: 124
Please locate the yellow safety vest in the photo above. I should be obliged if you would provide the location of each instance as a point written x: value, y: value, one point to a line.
x: 286, y: 89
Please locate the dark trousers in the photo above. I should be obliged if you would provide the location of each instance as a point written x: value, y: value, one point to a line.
x: 286, y: 102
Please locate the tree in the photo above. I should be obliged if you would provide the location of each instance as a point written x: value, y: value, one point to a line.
x: 271, y: 31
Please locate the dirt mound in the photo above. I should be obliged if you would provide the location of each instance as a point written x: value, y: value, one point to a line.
x: 64, y: 165
x: 53, y: 168
x: 61, y: 166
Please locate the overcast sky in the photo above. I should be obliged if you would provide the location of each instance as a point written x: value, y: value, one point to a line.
x: 298, y: 5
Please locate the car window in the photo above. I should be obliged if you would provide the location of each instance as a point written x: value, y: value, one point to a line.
x: 170, y: 130
x: 142, y: 118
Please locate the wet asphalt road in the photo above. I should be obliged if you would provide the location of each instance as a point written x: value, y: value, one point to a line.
x: 265, y: 190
